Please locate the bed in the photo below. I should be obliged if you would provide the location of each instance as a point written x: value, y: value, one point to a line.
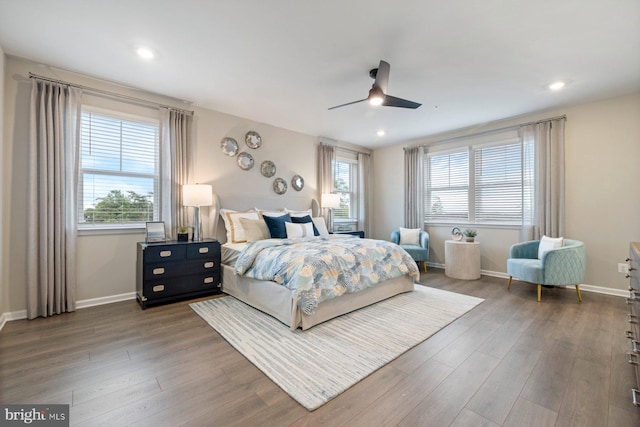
x: 281, y: 302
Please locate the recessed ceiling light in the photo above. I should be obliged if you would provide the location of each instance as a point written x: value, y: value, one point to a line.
x: 380, y: 132
x: 556, y: 85
x: 145, y: 53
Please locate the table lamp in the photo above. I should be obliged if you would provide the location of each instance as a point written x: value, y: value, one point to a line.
x: 330, y: 201
x: 197, y: 195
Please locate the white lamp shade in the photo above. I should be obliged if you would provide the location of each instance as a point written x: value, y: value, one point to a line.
x: 330, y: 200
x: 197, y: 195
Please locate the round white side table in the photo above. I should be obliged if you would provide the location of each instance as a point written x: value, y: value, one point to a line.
x: 462, y: 260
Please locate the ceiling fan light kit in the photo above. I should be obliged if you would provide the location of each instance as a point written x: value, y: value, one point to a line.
x: 377, y: 94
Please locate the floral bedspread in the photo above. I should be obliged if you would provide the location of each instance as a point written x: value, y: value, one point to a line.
x: 320, y: 268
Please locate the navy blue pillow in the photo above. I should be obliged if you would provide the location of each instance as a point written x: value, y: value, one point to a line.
x: 303, y: 220
x: 276, y: 226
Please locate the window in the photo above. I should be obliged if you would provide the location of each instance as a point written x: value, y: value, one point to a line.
x: 447, y: 184
x: 118, y: 181
x: 480, y: 182
x: 345, y: 183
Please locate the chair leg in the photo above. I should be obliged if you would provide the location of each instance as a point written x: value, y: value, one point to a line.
x: 509, y: 284
x: 578, y: 292
x: 539, y: 291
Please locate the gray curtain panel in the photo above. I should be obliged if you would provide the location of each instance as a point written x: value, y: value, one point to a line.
x: 547, y: 216
x: 326, y: 156
x: 364, y: 186
x: 412, y: 185
x: 51, y: 194
x: 176, y: 165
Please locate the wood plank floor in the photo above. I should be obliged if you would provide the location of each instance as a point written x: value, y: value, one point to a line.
x: 509, y: 362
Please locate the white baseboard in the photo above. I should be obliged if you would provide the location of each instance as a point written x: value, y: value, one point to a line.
x: 583, y: 287
x: 105, y: 300
x: 92, y: 302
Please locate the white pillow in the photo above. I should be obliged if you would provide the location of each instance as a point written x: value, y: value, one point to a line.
x: 298, y: 213
x: 270, y: 212
x: 321, y: 226
x: 235, y: 231
x: 299, y: 230
x: 548, y: 243
x: 410, y: 236
x: 255, y: 229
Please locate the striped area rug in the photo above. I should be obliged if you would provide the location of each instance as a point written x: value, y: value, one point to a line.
x: 316, y: 365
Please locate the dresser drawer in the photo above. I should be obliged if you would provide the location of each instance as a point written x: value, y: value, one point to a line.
x: 173, y: 269
x: 172, y: 286
x: 164, y: 253
x: 203, y: 250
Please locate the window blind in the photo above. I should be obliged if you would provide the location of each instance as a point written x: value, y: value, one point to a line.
x: 447, y: 185
x: 484, y: 180
x: 119, y: 169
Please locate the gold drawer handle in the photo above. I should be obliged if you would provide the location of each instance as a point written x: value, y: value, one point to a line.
x: 159, y: 270
x: 208, y: 264
x: 208, y: 280
x: 158, y: 288
x: 165, y: 253
x: 204, y: 250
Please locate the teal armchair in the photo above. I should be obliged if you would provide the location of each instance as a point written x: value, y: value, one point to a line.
x: 558, y: 267
x: 420, y: 254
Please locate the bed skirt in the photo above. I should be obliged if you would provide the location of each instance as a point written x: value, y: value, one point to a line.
x: 275, y: 300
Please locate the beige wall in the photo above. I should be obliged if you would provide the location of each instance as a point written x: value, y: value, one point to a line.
x: 106, y: 263
x: 602, y: 143
x: 3, y: 281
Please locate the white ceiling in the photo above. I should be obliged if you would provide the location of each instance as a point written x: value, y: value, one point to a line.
x: 284, y: 62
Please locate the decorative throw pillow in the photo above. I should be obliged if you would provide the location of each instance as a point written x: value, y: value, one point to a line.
x: 548, y: 243
x: 321, y: 226
x: 254, y: 229
x: 303, y: 220
x: 298, y: 213
x: 299, y: 230
x: 275, y: 224
x: 410, y: 236
x: 270, y: 212
x: 235, y: 231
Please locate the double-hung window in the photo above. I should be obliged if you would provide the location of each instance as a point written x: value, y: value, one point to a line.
x: 119, y: 178
x: 484, y: 180
x: 345, y: 183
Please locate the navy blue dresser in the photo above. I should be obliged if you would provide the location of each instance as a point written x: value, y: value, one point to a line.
x: 174, y: 270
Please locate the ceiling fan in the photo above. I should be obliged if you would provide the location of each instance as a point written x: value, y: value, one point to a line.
x: 378, y: 95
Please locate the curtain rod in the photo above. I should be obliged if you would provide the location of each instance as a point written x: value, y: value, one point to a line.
x: 107, y: 93
x: 487, y: 132
x: 349, y: 150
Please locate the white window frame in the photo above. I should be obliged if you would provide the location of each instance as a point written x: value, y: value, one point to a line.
x: 132, y: 226
x: 473, y: 145
x: 351, y: 222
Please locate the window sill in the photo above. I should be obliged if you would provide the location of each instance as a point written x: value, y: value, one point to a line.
x: 463, y: 225
x: 111, y: 229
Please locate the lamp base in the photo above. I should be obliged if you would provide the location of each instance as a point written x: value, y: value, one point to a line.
x: 197, y: 225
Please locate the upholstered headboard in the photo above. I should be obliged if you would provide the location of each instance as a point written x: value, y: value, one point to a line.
x: 245, y: 202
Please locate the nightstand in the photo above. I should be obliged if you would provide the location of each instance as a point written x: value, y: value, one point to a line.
x: 175, y: 270
x: 358, y: 233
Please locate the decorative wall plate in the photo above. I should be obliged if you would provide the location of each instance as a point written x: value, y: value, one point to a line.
x: 253, y: 139
x: 245, y: 161
x: 268, y: 168
x: 297, y: 182
x: 279, y: 186
x: 229, y: 146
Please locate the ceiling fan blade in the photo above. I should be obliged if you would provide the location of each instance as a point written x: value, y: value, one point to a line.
x: 392, y: 101
x: 348, y: 103
x: 382, y: 76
